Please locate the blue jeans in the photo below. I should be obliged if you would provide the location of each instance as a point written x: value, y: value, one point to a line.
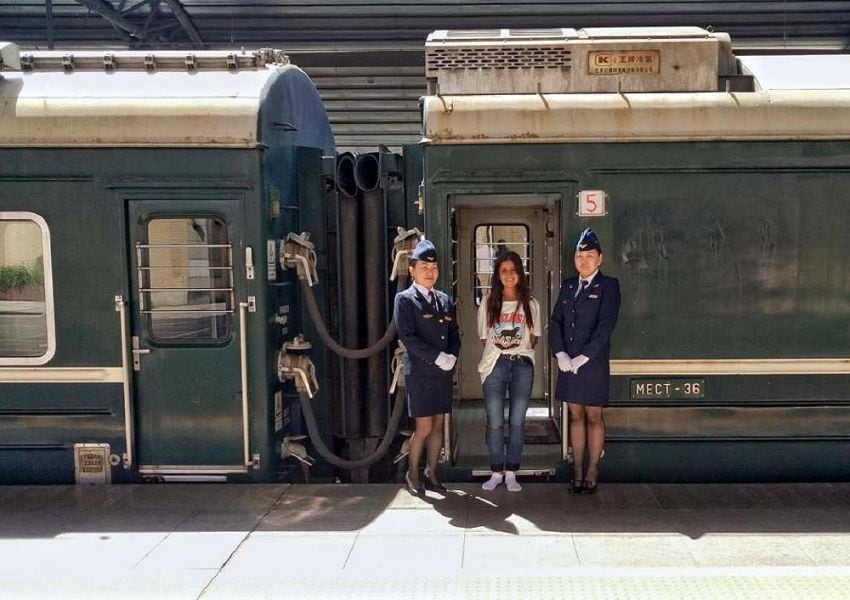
x: 516, y: 377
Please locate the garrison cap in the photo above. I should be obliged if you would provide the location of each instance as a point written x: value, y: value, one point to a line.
x: 588, y: 241
x: 425, y: 251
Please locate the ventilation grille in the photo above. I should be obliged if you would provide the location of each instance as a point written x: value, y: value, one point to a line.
x: 510, y: 57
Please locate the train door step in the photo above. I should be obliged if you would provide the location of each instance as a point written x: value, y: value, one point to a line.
x: 523, y: 472
x: 541, y: 428
x: 194, y: 478
x: 541, y: 455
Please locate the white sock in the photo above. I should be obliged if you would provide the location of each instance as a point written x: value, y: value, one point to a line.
x: 511, y: 482
x: 492, y: 483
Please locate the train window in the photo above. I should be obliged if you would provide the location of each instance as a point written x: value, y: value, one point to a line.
x: 186, y: 280
x: 492, y: 241
x: 27, y: 325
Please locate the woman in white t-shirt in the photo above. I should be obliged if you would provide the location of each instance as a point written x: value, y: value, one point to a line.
x: 508, y: 327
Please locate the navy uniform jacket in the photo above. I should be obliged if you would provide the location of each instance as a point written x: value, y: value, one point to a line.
x: 425, y: 334
x: 584, y: 325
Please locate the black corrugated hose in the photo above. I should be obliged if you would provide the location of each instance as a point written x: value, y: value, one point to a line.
x: 321, y: 327
x: 366, y: 461
x: 307, y: 407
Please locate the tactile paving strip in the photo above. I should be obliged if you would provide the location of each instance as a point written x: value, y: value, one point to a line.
x: 586, y: 584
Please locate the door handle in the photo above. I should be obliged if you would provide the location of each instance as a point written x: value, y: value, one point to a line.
x: 137, y: 352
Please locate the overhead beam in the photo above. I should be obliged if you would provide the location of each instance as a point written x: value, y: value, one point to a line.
x: 118, y: 19
x: 106, y: 10
x: 183, y: 17
x: 49, y: 14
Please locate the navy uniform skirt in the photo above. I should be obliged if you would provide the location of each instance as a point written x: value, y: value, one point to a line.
x: 589, y: 387
x: 428, y: 394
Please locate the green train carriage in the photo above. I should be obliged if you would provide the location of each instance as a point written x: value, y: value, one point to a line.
x: 720, y: 187
x: 142, y: 305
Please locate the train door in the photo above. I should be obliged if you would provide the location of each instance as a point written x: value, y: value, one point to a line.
x: 485, y: 227
x: 185, y: 336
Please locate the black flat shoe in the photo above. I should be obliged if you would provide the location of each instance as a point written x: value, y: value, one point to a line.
x: 414, y: 491
x: 588, y: 487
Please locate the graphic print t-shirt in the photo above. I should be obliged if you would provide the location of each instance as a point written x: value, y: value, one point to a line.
x: 510, y: 329
x: 511, y: 334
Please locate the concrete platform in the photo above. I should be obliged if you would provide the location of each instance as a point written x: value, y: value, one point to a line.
x: 376, y: 541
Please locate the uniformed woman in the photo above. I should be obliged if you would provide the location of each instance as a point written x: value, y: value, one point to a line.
x: 580, y: 336
x: 426, y: 325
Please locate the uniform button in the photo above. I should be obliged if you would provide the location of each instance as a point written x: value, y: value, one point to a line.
x: 573, y: 325
x: 571, y: 339
x: 442, y: 337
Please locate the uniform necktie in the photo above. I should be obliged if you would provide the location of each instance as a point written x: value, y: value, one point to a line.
x: 434, y: 305
x: 581, y: 287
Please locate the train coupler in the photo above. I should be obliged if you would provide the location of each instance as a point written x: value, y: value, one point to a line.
x: 405, y: 447
x: 291, y: 447
x: 397, y: 367
x: 403, y: 246
x: 293, y: 363
x: 299, y: 253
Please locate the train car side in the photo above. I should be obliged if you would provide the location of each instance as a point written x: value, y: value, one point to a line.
x: 723, y: 212
x: 160, y: 325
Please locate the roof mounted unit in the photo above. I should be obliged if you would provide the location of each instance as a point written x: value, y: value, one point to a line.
x: 559, y: 60
x: 9, y: 57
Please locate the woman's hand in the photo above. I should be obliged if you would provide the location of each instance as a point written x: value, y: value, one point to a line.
x: 446, y: 361
x: 564, y: 363
x: 578, y: 362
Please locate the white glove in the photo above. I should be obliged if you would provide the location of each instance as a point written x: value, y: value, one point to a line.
x: 446, y: 361
x: 578, y: 362
x: 564, y: 364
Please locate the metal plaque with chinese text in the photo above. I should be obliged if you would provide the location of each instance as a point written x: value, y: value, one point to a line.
x: 614, y: 62
x: 91, y: 464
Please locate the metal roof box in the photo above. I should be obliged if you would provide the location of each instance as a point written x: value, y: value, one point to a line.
x: 561, y: 60
x: 9, y: 56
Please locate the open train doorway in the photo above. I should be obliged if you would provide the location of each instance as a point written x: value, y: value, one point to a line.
x: 486, y: 226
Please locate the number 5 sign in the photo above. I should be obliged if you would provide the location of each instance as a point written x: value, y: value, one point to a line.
x: 591, y: 203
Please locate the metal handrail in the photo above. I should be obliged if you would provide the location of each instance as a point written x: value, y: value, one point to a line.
x: 121, y: 308
x: 148, y: 246
x: 187, y: 312
x: 150, y: 290
x: 243, y: 361
x: 173, y: 267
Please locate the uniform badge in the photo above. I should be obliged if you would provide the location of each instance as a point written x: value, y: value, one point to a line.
x: 427, y: 316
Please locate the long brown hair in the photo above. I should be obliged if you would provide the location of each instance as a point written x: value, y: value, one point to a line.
x: 494, y: 300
